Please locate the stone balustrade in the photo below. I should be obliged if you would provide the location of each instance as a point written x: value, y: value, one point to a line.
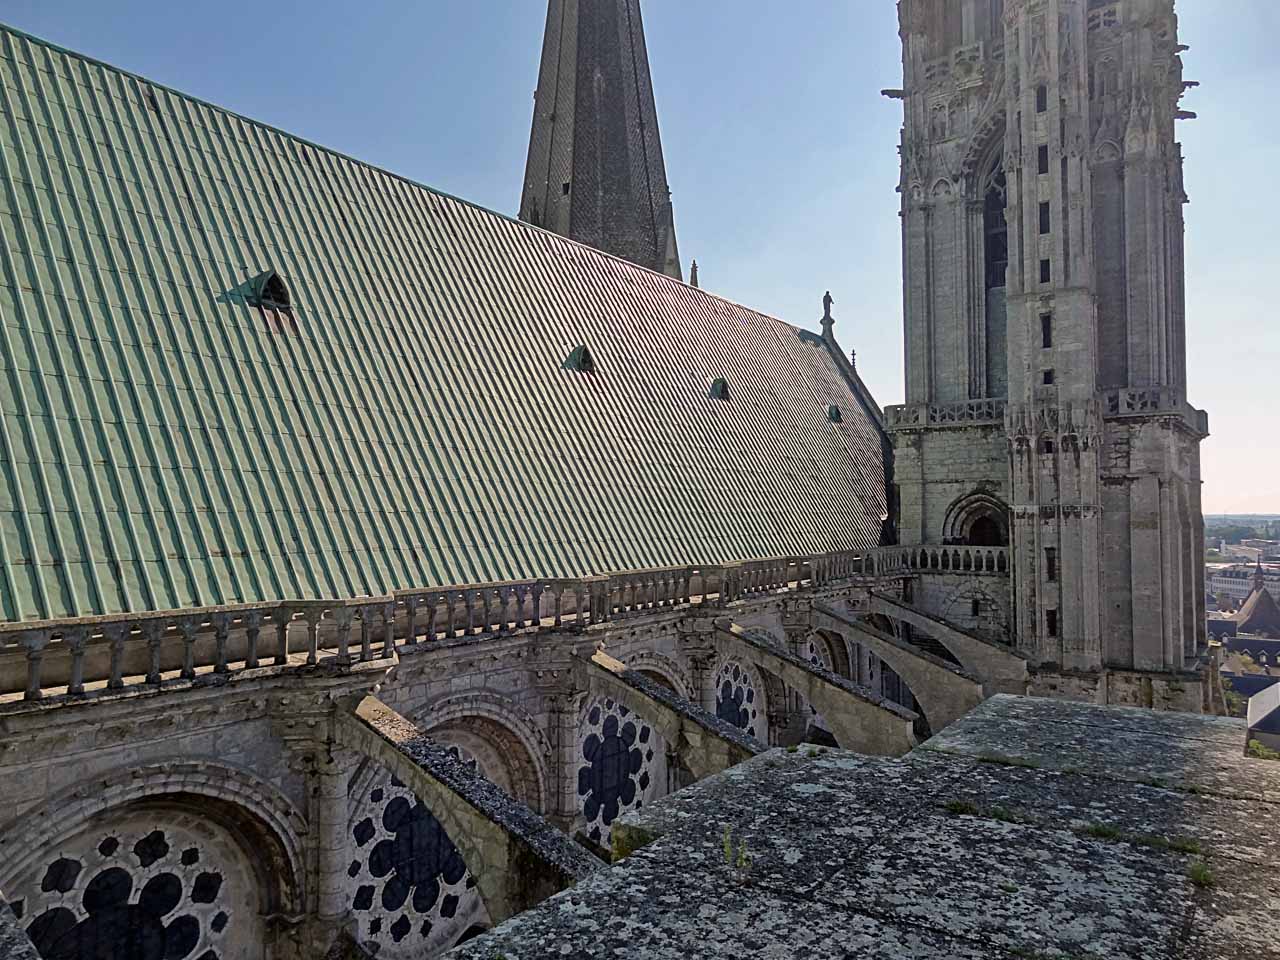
x: 102, y: 655
x: 1145, y: 401
x: 931, y: 558
x: 945, y: 414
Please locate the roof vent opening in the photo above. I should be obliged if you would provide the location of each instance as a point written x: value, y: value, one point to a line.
x: 270, y: 295
x: 580, y: 359
x: 834, y: 414
x: 720, y: 389
x: 268, y: 290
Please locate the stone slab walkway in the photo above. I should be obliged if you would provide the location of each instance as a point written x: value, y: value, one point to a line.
x: 1029, y: 830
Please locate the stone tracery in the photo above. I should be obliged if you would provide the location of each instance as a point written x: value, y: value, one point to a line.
x: 149, y: 886
x: 621, y: 765
x: 411, y: 891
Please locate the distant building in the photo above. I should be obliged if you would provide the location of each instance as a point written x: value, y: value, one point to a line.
x: 1236, y: 580
x: 1260, y: 616
x: 1220, y: 628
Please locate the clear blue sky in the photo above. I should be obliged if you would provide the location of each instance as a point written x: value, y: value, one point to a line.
x: 781, y: 153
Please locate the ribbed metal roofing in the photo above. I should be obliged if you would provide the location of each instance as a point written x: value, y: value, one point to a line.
x: 163, y: 445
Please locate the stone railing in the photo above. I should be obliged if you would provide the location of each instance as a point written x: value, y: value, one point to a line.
x: 930, y: 558
x: 945, y: 414
x: 1145, y: 401
x: 101, y: 655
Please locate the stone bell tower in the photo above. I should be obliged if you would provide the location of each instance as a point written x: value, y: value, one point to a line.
x: 595, y: 172
x: 1046, y: 361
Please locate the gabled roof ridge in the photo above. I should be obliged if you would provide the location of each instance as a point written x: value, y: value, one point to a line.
x: 436, y: 191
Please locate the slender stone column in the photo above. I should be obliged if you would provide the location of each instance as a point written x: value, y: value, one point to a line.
x: 330, y: 814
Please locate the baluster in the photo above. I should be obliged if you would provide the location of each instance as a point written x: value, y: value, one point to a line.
x: 188, y: 626
x: 116, y: 635
x: 433, y: 601
x: 77, y: 638
x: 448, y: 603
x: 153, y: 630
x: 484, y: 604
x: 282, y: 618
x: 389, y: 627
x: 522, y: 594
x: 313, y: 635
x: 469, y: 599
x: 559, y: 606
x: 411, y: 628
x: 366, y: 633
x: 252, y: 629
x: 221, y: 633
x: 343, y: 618
x: 577, y: 603
x: 35, y: 642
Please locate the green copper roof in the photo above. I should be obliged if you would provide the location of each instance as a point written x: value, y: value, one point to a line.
x: 166, y: 442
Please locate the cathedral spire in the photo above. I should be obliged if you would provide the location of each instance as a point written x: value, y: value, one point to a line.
x: 595, y: 171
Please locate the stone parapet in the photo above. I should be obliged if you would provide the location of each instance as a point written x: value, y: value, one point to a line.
x: 968, y: 413
x: 87, y: 656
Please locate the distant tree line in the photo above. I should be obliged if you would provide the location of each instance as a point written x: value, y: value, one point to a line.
x: 1235, y: 532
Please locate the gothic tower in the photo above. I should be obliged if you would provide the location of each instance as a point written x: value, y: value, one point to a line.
x: 595, y: 171
x: 1045, y: 351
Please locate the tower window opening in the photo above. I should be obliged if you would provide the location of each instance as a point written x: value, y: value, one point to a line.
x: 1051, y: 564
x: 565, y: 188
x: 1046, y: 330
x: 1046, y: 271
x: 1042, y: 159
x: 1042, y: 98
x: 1044, y: 218
x: 1049, y: 378
x: 975, y: 607
x: 1051, y: 622
x: 996, y: 229
x: 1046, y: 446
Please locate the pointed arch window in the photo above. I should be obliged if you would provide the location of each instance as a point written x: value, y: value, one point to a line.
x: 995, y: 227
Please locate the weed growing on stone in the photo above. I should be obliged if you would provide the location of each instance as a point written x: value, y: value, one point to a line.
x: 1102, y: 831
x: 1260, y: 751
x: 793, y: 749
x: 1200, y: 874
x: 963, y: 808
x: 1176, y: 844
x: 736, y: 860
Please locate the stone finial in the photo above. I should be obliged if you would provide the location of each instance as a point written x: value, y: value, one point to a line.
x: 1259, y: 577
x: 693, y: 274
x: 828, y: 321
x: 853, y: 359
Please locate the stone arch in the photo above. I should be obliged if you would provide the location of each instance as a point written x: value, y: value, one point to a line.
x: 942, y: 189
x: 976, y: 516
x: 985, y: 143
x: 957, y: 608
x: 1107, y: 151
x: 837, y: 647
x: 503, y: 738
x: 663, y: 669
x: 186, y: 857
x: 255, y: 809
